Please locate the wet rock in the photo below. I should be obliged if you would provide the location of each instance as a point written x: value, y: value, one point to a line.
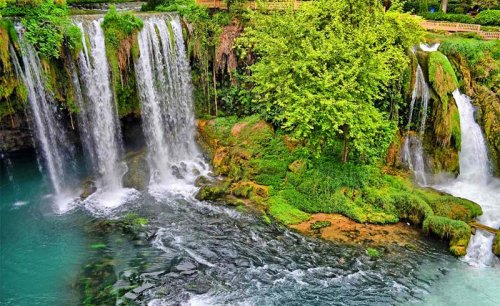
x: 130, y: 296
x: 188, y: 272
x: 138, y: 174
x: 142, y: 288
x: 185, y: 266
x: 177, y: 172
x: 198, y: 287
x: 202, y: 181
x: 88, y: 187
x: 195, y: 172
x: 213, y: 192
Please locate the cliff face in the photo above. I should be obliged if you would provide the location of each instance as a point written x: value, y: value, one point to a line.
x: 477, y: 65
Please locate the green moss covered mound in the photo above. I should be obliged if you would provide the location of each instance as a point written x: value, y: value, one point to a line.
x: 298, y: 184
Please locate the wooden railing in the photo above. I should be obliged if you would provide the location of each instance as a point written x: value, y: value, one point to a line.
x: 459, y: 27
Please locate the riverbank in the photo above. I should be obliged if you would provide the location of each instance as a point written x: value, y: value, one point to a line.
x: 275, y: 175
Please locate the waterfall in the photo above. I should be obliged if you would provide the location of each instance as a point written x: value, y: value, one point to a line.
x: 476, y: 183
x: 98, y: 120
x: 51, y: 138
x: 413, y: 153
x: 164, y: 86
x: 431, y: 48
x: 98, y: 117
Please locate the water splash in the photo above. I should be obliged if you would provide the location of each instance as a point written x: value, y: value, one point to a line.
x: 476, y: 183
x: 164, y: 86
x: 429, y: 48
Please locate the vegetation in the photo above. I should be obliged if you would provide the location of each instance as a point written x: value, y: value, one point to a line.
x: 48, y: 27
x: 372, y: 252
x: 299, y: 184
x: 319, y: 73
x: 477, y: 62
x: 120, y: 31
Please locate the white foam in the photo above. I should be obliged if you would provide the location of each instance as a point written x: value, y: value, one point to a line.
x: 20, y: 203
x: 429, y: 48
x: 104, y: 202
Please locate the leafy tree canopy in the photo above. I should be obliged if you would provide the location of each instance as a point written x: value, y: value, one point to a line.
x: 320, y: 70
x: 48, y: 26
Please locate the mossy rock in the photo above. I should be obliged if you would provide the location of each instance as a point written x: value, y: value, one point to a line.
x: 298, y: 166
x: 496, y: 245
x: 442, y: 77
x: 138, y: 174
x: 458, y: 232
x: 213, y: 192
x: 88, y: 188
x: 248, y: 189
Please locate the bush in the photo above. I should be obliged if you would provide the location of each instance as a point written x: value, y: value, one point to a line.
x: 440, y: 16
x: 488, y: 18
x: 472, y: 49
x: 48, y: 26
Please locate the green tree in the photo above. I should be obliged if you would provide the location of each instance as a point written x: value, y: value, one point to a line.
x: 48, y: 26
x: 320, y: 70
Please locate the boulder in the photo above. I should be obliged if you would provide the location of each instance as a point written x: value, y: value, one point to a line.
x: 88, y: 188
x: 138, y: 174
x: 496, y: 245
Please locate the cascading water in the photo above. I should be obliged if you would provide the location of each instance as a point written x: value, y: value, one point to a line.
x: 164, y: 86
x: 98, y: 118
x: 51, y: 137
x: 476, y: 183
x: 413, y: 153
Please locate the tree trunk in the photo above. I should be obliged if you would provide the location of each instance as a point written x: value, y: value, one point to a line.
x: 444, y: 5
x: 345, y: 130
x: 215, y: 87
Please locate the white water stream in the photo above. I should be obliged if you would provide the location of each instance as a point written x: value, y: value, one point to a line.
x: 98, y: 119
x: 413, y: 153
x: 164, y: 85
x: 476, y: 183
x: 51, y: 136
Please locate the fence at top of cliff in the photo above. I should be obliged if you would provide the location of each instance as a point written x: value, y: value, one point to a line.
x: 459, y: 27
x: 267, y: 5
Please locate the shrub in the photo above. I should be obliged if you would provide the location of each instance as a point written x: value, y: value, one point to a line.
x: 47, y: 26
x: 488, y: 18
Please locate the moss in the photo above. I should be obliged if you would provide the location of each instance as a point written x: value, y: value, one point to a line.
x: 458, y: 232
x: 320, y: 224
x: 285, y: 213
x: 451, y: 207
x: 456, y: 134
x: 213, y: 192
x: 442, y: 77
x: 12, y: 93
x: 496, y: 245
x: 372, y: 252
x: 120, y: 31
